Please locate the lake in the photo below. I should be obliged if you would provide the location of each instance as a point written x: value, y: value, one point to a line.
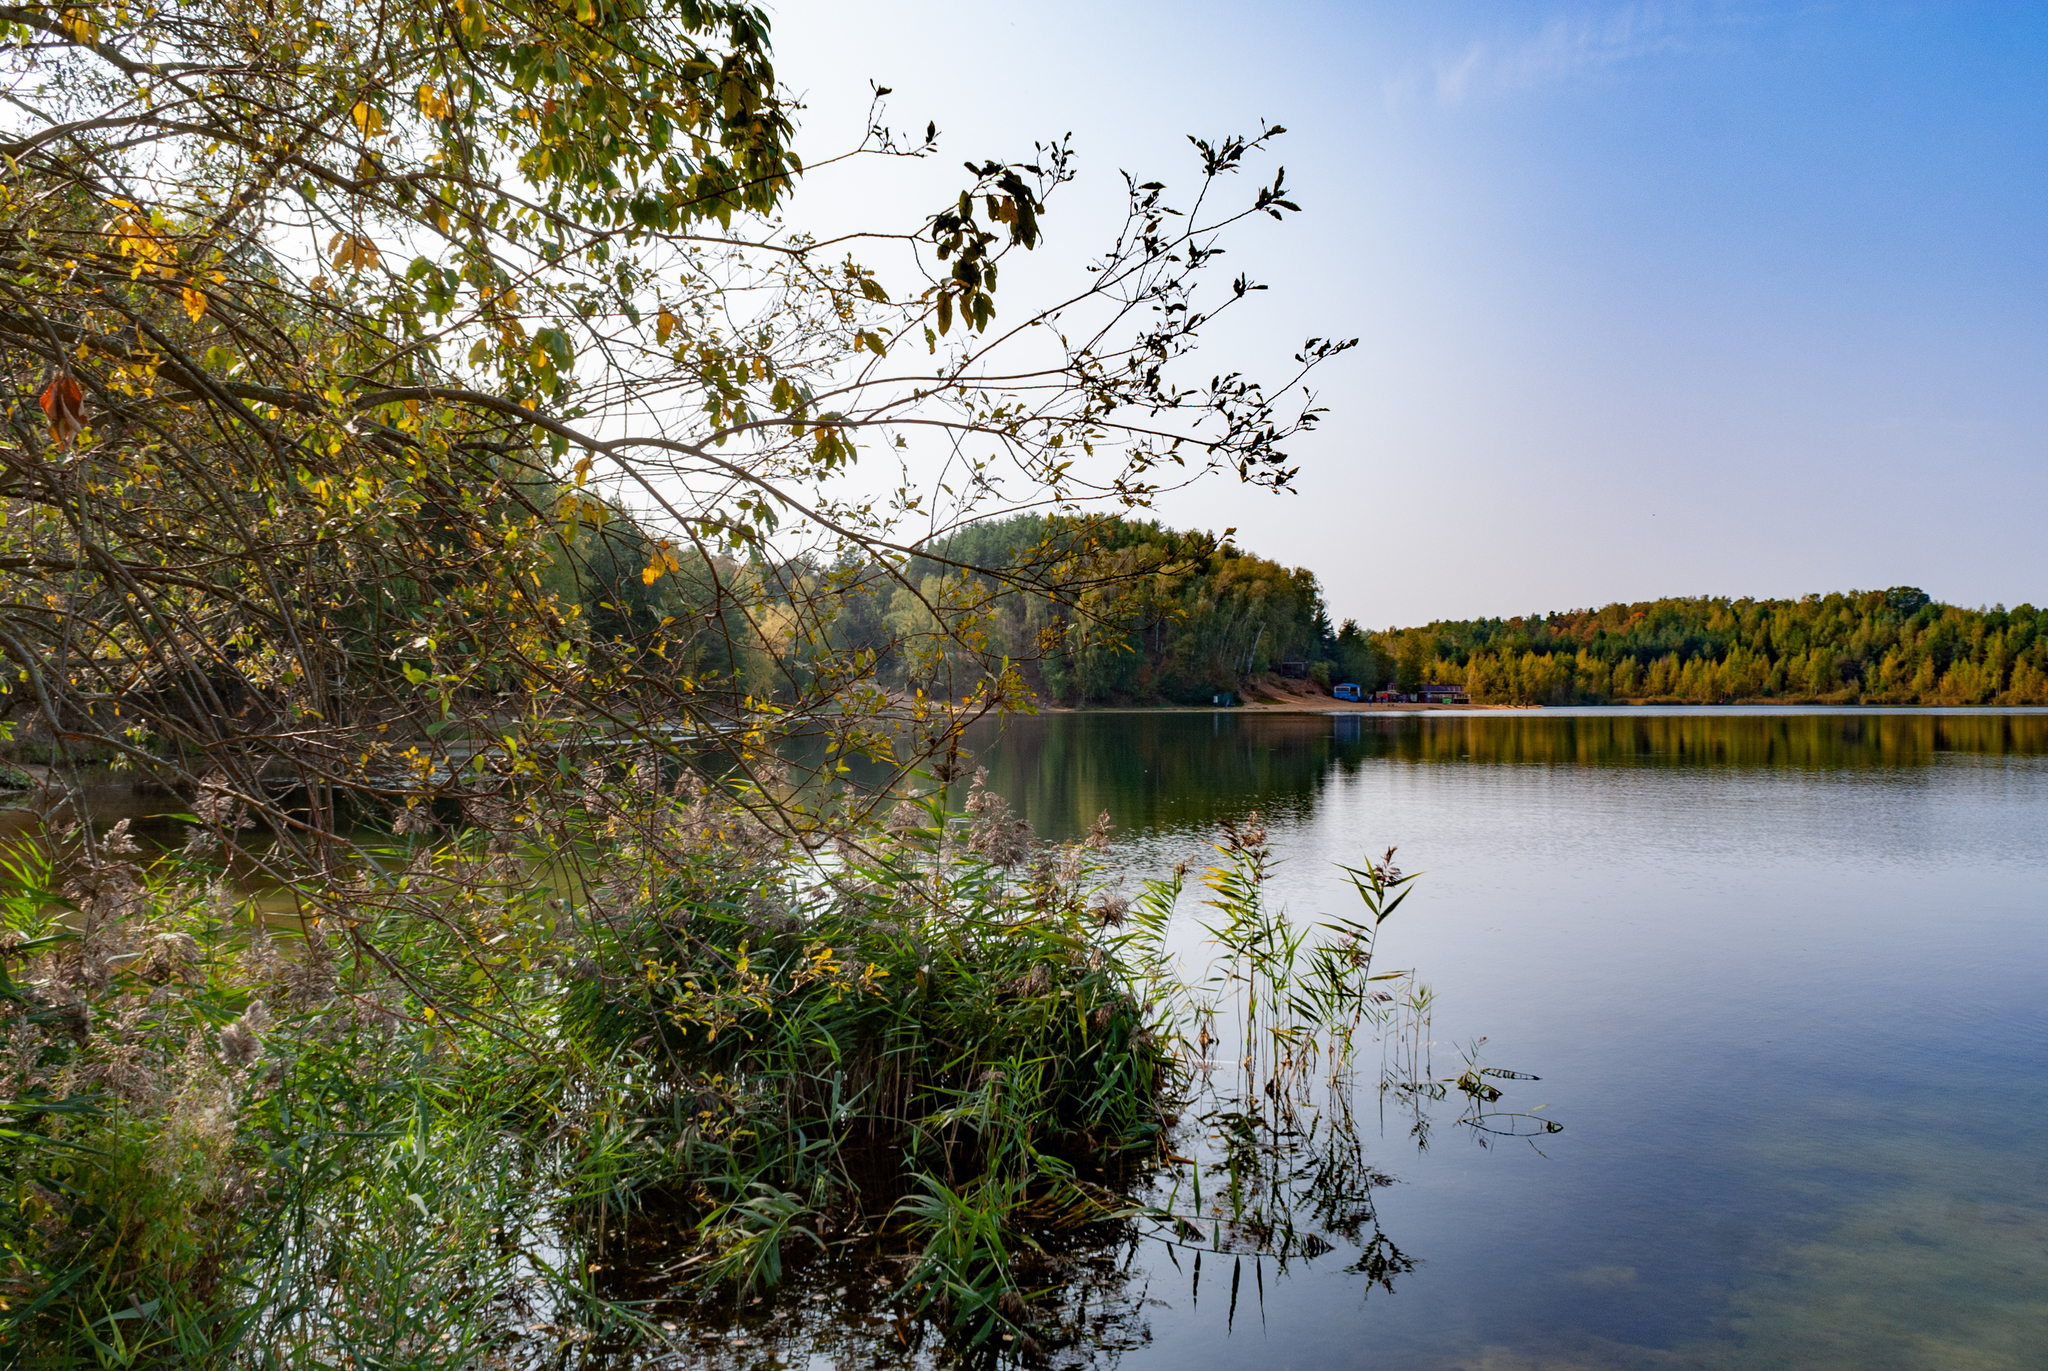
x: 1783, y: 975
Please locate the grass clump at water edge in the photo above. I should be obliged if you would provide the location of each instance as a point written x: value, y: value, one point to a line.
x: 424, y: 1137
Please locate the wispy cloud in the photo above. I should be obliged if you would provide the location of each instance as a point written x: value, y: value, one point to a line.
x: 1566, y: 47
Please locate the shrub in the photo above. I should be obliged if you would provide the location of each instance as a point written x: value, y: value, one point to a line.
x: 945, y: 1044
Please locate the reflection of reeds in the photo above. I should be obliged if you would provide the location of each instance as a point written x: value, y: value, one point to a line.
x: 1271, y: 1167
x: 707, y: 1070
x: 1278, y: 1171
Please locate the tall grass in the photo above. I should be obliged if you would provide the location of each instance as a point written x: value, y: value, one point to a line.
x: 534, y: 1097
x: 918, y: 1039
x: 232, y: 1145
x: 236, y: 1144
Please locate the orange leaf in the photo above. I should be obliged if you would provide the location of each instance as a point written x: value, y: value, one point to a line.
x: 64, y: 404
x: 351, y: 253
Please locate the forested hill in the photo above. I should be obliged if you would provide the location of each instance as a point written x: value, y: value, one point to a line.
x: 1110, y: 610
x: 1176, y: 616
x: 1146, y: 614
x: 1893, y: 646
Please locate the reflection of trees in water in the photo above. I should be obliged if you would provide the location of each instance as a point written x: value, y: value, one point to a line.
x: 1179, y: 770
x: 1154, y: 770
x: 1797, y: 741
x: 1168, y: 769
x: 1288, y: 1175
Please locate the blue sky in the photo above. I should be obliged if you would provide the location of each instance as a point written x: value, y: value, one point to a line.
x: 1655, y: 299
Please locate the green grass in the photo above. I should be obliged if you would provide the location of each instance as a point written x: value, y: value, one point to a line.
x: 385, y: 1145
x: 397, y: 1139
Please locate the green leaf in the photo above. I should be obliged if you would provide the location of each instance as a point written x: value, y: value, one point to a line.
x: 555, y: 343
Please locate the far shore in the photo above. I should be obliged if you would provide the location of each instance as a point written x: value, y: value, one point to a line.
x: 1325, y: 704
x: 1300, y: 705
x: 1330, y: 704
x: 1273, y: 698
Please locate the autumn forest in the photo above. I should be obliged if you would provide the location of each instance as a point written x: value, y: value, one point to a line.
x: 1212, y: 615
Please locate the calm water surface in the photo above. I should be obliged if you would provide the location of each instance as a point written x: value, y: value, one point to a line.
x: 1784, y: 977
x: 1785, y: 980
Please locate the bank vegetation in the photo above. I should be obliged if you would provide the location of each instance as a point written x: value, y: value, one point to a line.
x: 435, y: 469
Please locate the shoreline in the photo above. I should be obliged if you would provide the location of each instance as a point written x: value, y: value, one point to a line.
x: 1303, y: 706
x: 1300, y: 704
x: 1334, y: 706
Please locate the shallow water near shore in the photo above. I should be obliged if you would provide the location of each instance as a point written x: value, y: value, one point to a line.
x: 1785, y: 979
x: 1782, y: 975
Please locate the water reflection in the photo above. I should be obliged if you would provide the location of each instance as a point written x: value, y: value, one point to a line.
x: 1173, y: 770
x: 1269, y: 1173
x: 1783, y: 975
x: 1267, y: 1178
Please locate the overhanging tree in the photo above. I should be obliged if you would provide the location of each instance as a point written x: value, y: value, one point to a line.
x: 419, y: 410
x: 406, y: 399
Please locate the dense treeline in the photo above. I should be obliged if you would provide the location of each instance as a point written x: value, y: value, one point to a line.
x: 1145, y: 613
x: 1895, y: 646
x: 1110, y: 610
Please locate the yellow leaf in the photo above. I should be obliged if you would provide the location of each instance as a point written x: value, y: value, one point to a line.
x: 369, y: 121
x: 351, y: 253
x: 433, y: 104
x: 583, y: 470
x: 664, y: 561
x: 134, y: 238
x: 574, y: 509
x: 194, y: 302
x: 664, y: 326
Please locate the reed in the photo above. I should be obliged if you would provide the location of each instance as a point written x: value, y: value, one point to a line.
x: 542, y: 1095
